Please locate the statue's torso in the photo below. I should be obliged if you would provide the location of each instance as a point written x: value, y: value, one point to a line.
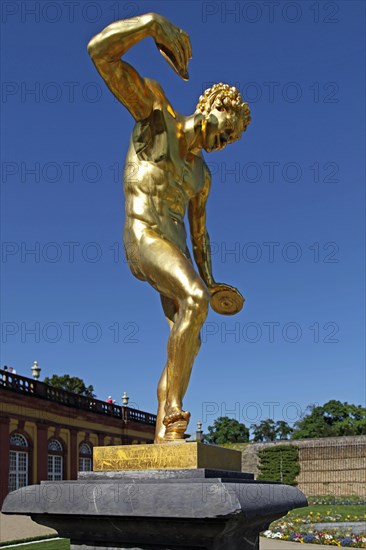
x: 160, y: 178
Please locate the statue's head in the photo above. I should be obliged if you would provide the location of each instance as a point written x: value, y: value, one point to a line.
x: 225, y: 116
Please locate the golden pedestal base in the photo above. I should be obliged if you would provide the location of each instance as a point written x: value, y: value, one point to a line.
x: 165, y: 456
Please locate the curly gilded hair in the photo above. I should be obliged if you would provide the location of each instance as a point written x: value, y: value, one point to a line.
x: 222, y: 96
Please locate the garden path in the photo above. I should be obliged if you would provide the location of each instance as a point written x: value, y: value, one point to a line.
x: 20, y: 527
x: 275, y: 544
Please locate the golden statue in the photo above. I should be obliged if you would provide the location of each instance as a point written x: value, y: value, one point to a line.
x: 165, y: 173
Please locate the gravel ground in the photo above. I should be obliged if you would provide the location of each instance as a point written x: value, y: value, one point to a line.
x: 21, y: 527
x: 270, y: 544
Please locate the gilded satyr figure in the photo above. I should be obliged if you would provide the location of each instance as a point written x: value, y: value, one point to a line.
x: 166, y: 175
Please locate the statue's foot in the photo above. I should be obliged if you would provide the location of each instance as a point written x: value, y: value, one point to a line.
x: 176, y: 422
x: 175, y: 414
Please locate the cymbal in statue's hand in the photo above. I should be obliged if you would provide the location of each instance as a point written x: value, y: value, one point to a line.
x: 173, y: 43
x: 226, y: 299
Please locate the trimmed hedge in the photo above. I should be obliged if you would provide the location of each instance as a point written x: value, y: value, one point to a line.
x: 279, y: 463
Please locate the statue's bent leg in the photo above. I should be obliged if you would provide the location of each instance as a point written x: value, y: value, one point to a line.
x: 170, y: 310
x: 160, y: 427
x: 167, y: 269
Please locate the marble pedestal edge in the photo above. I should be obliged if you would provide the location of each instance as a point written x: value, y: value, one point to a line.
x: 157, y: 509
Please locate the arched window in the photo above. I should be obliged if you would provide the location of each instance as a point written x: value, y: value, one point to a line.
x: 85, y: 457
x: 18, y: 440
x: 18, y: 461
x: 55, y: 460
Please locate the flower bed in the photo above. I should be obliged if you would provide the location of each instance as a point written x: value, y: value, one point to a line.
x: 331, y: 499
x: 298, y: 531
x: 327, y: 517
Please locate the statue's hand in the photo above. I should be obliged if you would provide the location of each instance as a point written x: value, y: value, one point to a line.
x: 174, y: 44
x: 225, y: 299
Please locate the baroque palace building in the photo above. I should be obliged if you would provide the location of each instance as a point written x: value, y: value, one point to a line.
x: 49, y: 434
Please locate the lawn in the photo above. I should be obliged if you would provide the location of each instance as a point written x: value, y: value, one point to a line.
x: 58, y: 544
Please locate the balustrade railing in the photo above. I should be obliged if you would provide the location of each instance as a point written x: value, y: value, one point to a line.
x: 35, y: 388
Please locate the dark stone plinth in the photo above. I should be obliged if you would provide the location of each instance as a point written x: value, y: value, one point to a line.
x: 197, y: 474
x: 161, y: 509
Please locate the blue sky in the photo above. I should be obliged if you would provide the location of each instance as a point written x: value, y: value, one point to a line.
x: 285, y: 216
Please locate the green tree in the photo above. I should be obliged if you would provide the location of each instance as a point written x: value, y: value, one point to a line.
x: 264, y: 431
x: 227, y: 430
x: 332, y: 419
x: 283, y: 430
x: 70, y: 383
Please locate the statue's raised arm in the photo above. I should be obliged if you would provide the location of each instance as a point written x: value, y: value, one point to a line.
x: 107, y: 48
